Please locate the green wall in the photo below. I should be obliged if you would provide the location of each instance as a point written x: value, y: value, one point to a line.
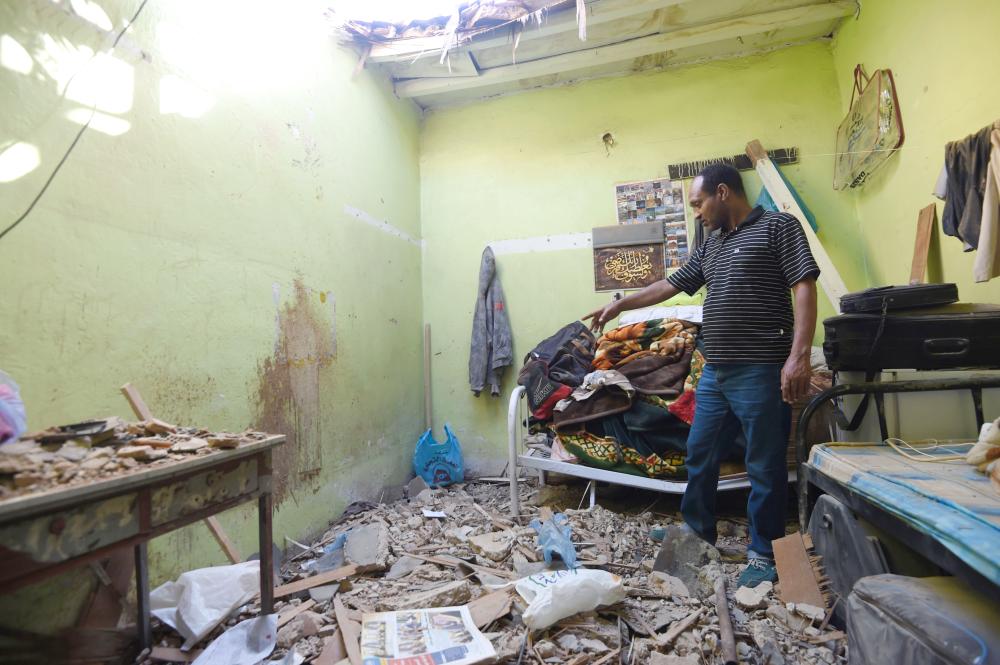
x: 940, y: 58
x: 534, y: 165
x: 213, y: 240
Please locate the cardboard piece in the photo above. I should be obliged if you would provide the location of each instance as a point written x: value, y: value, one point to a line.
x: 798, y: 581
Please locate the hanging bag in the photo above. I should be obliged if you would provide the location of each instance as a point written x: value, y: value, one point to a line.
x: 439, y: 464
x: 872, y: 130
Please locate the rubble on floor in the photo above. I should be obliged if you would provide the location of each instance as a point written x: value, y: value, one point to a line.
x: 475, y: 552
x: 95, y: 450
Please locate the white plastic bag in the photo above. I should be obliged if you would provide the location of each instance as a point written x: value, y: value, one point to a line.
x: 247, y: 643
x: 558, y: 594
x: 201, y: 599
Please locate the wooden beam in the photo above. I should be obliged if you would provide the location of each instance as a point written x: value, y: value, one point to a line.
x: 135, y: 400
x: 921, y: 249
x: 636, y: 48
x: 307, y: 583
x: 220, y: 537
x: 829, y: 278
x: 598, y: 13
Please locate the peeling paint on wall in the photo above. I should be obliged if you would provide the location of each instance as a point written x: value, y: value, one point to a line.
x: 542, y: 244
x: 290, y: 385
x: 381, y: 225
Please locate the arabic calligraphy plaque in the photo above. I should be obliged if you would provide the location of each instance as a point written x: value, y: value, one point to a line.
x: 629, y: 267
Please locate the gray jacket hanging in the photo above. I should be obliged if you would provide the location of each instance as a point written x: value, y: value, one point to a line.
x: 492, y: 340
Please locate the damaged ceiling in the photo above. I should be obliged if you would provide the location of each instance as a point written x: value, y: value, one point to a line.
x: 495, y: 47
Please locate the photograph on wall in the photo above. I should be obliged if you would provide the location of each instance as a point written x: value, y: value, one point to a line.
x: 659, y: 201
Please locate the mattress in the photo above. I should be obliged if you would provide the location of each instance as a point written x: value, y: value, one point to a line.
x: 948, y: 500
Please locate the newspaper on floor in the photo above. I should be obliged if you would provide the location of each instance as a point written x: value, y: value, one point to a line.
x: 424, y: 637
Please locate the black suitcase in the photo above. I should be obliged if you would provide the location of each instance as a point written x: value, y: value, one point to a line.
x: 961, y: 336
x: 891, y: 298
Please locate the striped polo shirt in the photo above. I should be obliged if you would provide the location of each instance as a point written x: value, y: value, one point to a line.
x: 749, y: 272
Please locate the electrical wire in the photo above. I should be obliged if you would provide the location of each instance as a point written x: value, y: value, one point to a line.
x: 76, y: 139
x: 921, y: 455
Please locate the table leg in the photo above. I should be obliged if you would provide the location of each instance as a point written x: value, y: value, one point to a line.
x: 142, y: 596
x: 266, y: 554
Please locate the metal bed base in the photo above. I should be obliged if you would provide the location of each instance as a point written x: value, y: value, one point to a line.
x: 516, y: 415
x: 812, y: 482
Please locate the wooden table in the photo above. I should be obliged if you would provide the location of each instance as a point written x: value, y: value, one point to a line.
x: 49, y: 532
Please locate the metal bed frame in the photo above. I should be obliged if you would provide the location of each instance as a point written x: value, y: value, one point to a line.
x: 534, y: 459
x: 812, y: 482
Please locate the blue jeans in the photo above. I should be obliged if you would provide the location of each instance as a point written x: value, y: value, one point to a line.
x: 731, y: 397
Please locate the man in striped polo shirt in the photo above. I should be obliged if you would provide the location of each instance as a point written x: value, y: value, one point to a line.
x: 756, y: 349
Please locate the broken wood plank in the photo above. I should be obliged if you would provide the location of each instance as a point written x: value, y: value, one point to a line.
x: 350, y: 631
x: 285, y: 617
x: 798, y: 582
x: 829, y: 278
x: 922, y: 246
x: 826, y: 637
x: 317, y: 580
x: 172, y: 655
x: 455, y: 562
x: 333, y: 650
x: 487, y: 609
x: 135, y: 400
x: 220, y: 537
x: 496, y: 520
x: 608, y: 657
x: 108, y: 599
x: 678, y: 627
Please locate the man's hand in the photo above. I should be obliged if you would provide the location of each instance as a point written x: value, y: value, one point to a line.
x: 795, y: 377
x: 602, y: 315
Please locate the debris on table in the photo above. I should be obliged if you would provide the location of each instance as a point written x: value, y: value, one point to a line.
x: 98, y: 449
x: 399, y: 560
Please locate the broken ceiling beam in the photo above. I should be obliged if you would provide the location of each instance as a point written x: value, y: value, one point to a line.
x: 636, y: 48
x: 829, y: 277
x: 558, y: 22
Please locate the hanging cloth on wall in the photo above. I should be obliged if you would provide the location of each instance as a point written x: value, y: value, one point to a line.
x: 987, y: 264
x: 872, y: 130
x: 492, y: 340
x: 967, y: 162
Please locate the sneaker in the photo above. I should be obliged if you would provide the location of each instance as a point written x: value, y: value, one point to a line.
x: 758, y: 570
x: 658, y: 533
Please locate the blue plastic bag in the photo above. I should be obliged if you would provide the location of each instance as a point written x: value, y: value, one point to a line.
x: 439, y: 464
x: 554, y: 538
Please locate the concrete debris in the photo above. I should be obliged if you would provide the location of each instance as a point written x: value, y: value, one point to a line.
x: 668, y: 585
x: 368, y: 546
x: 60, y: 456
x: 683, y: 554
x: 448, y: 595
x: 781, y: 614
x: 495, y: 545
x: 474, y: 553
x: 753, y: 598
x: 192, y: 445
x: 808, y: 611
x: 415, y: 487
x: 402, y: 567
x: 324, y: 594
x: 657, y: 658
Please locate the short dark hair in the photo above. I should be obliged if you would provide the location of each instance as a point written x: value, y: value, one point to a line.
x: 714, y: 175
